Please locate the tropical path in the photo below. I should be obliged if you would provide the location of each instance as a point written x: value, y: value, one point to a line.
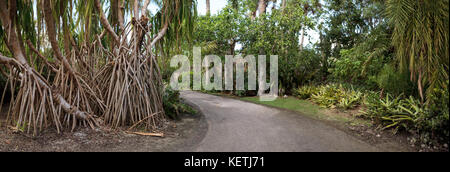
x: 235, y: 126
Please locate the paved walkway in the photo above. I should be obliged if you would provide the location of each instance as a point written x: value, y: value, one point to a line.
x: 235, y: 126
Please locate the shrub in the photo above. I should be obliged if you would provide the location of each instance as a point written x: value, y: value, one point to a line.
x: 395, y: 112
x: 359, y: 65
x: 328, y: 96
x: 410, y: 114
x: 305, y: 92
x: 345, y: 67
x: 350, y: 100
x: 172, y: 104
x: 395, y: 82
x: 331, y: 96
x: 437, y: 121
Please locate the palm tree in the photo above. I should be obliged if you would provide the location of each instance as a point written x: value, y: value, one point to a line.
x: 86, y: 75
x: 421, y: 40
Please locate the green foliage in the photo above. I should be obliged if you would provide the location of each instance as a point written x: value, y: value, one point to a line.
x: 299, y: 69
x: 240, y: 93
x: 331, y: 96
x: 398, y: 112
x: 410, y: 114
x: 277, y: 34
x: 274, y: 33
x: 25, y: 15
x: 218, y: 34
x: 421, y: 39
x: 348, y: 22
x: 305, y: 92
x: 328, y: 96
x: 361, y: 64
x: 395, y: 82
x: 173, y: 107
x: 346, y: 66
x: 437, y: 121
x: 350, y: 100
x: 352, y: 68
x: 394, y: 112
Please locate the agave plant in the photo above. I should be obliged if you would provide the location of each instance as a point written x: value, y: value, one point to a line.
x: 396, y: 112
x: 350, y: 100
x: 305, y: 92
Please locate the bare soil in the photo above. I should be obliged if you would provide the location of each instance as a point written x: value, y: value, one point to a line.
x: 178, y: 135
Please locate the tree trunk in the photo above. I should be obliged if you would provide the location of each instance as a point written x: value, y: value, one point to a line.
x: 136, y: 9
x: 161, y: 33
x: 208, y: 8
x: 114, y: 20
x: 105, y: 22
x: 232, y: 47
x: 51, y: 32
x: 135, y: 27
x: 121, y: 13
x: 66, y: 31
x: 262, y: 5
x: 283, y: 5
x: 8, y: 22
x: 302, y: 39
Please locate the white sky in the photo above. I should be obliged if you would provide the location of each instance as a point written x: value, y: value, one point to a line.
x: 216, y: 6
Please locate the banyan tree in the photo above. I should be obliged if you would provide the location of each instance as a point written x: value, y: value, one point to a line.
x: 86, y: 63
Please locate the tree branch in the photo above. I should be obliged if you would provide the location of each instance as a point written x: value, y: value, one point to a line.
x: 51, y: 32
x: 144, y: 8
x: 160, y: 34
x: 57, y: 96
x: 32, y: 48
x: 105, y: 22
x: 6, y: 60
x: 10, y: 29
x: 120, y: 15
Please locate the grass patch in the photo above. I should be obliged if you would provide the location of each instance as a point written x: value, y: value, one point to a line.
x: 307, y: 108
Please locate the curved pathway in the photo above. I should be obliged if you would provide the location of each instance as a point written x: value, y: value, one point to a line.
x: 235, y: 126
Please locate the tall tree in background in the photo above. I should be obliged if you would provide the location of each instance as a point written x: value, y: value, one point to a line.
x: 208, y: 7
x: 345, y: 25
x: 308, y: 7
